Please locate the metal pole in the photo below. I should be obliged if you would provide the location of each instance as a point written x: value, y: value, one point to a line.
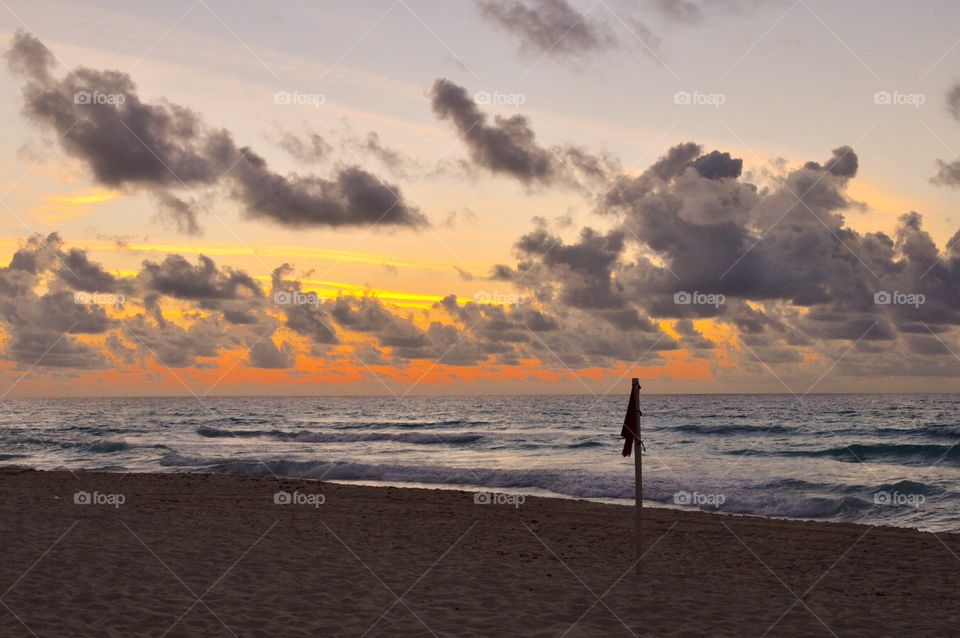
x: 638, y: 475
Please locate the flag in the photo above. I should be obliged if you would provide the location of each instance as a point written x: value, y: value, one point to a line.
x: 630, y: 421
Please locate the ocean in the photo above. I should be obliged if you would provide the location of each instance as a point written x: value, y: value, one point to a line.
x: 875, y: 459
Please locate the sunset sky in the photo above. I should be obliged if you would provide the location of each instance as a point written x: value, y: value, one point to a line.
x: 488, y: 196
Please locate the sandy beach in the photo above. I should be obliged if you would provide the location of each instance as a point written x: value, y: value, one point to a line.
x: 204, y: 555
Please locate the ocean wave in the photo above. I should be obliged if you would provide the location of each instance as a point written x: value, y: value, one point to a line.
x: 107, y: 447
x: 699, y: 428
x: 904, y: 486
x: 369, y: 425
x: 583, y: 444
x: 420, y: 438
x: 938, y: 430
x: 815, y: 507
x: 907, y: 453
x: 27, y: 441
x: 577, y: 483
x: 758, y: 499
x: 941, y: 429
x: 214, y: 433
x: 907, y: 486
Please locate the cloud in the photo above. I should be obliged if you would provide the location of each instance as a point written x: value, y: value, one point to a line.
x: 582, y: 269
x: 717, y: 165
x: 162, y: 148
x: 50, y: 349
x: 772, y: 272
x: 184, y: 214
x: 953, y: 101
x: 355, y: 197
x: 509, y: 146
x: 307, y: 148
x: 79, y: 273
x: 177, y: 346
x: 548, y: 26
x: 787, y: 275
x: 266, y: 354
x: 393, y: 159
x: 177, y: 278
x: 843, y: 163
x: 948, y: 174
x: 186, y: 313
x: 465, y: 275
x: 679, y: 10
x: 554, y: 28
x: 41, y: 325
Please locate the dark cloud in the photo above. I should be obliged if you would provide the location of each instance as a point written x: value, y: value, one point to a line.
x: 306, y: 316
x: 501, y: 272
x: 31, y: 348
x: 953, y: 101
x: 28, y: 56
x: 948, y: 173
x: 41, y: 328
x: 843, y: 163
x: 583, y: 269
x: 555, y: 28
x: 37, y: 254
x: 79, y: 273
x: 788, y: 275
x: 717, y: 165
x: 401, y: 336
x: 218, y: 309
x: 551, y: 27
x: 177, y: 278
x: 162, y: 147
x: 509, y: 146
x: 175, y: 346
x: 354, y: 197
x: 675, y: 161
x: 266, y: 354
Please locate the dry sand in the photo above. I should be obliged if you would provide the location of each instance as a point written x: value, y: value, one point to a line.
x: 200, y: 555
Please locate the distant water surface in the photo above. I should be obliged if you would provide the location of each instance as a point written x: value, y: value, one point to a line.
x: 878, y: 459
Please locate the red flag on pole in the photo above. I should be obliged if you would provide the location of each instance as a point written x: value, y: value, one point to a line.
x: 631, y: 434
x: 629, y: 430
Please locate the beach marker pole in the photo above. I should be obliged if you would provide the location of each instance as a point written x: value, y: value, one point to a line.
x: 638, y: 475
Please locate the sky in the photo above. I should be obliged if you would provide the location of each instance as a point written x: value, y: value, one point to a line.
x: 482, y: 196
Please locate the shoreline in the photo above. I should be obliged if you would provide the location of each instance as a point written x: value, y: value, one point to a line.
x: 470, y: 489
x: 349, y: 560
